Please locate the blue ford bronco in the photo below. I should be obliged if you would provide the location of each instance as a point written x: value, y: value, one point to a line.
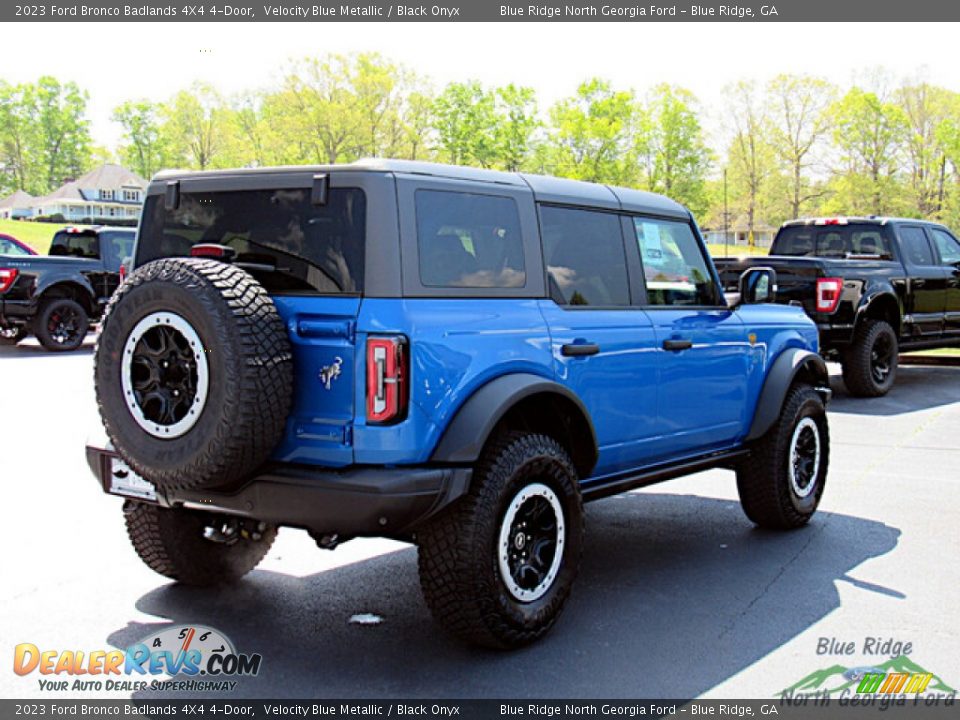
x: 454, y: 357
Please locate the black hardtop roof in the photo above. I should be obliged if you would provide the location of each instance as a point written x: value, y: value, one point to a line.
x: 545, y: 188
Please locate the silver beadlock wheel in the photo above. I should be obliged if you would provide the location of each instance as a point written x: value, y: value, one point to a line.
x: 804, y: 457
x: 165, y: 375
x: 530, y: 546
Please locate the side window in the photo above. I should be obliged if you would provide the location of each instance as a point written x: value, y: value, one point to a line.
x: 469, y: 241
x: 584, y: 254
x: 674, y: 268
x: 916, y: 247
x: 948, y: 246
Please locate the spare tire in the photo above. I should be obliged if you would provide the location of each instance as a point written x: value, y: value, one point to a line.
x: 193, y: 373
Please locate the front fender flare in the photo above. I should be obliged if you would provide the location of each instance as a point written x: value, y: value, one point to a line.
x: 468, y: 432
x: 791, y: 363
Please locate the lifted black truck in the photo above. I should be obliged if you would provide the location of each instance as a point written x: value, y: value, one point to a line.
x: 875, y: 286
x: 58, y: 296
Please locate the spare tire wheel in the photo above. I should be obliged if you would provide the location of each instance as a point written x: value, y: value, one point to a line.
x: 193, y: 373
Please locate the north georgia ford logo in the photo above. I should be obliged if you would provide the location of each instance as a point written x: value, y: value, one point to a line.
x: 187, y: 651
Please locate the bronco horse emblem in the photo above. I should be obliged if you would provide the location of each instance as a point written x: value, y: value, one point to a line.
x: 331, y: 372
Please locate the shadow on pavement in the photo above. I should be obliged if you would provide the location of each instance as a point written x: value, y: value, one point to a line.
x: 676, y: 594
x: 916, y: 388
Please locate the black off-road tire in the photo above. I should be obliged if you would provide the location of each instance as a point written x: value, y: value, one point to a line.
x: 45, y: 325
x: 458, y: 552
x: 11, y: 335
x: 870, y: 363
x: 768, y: 496
x: 250, y: 374
x: 171, y: 542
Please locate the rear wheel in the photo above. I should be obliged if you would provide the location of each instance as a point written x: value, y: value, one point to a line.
x: 781, y: 483
x: 870, y: 364
x: 496, y: 569
x: 196, y: 548
x: 12, y: 334
x: 61, y: 325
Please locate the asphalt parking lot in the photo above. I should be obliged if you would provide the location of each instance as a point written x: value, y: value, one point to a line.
x: 679, y: 595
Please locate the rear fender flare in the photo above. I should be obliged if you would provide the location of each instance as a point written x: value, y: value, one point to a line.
x: 471, y: 427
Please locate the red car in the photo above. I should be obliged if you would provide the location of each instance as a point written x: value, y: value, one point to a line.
x: 11, y: 246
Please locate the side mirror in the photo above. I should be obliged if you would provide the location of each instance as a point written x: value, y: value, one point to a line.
x: 758, y: 285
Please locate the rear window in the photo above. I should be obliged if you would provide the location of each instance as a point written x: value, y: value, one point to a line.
x: 81, y: 244
x: 289, y: 244
x: 469, y: 241
x: 834, y: 241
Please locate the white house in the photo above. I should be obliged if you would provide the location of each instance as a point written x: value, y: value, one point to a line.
x: 109, y: 191
x: 16, y: 206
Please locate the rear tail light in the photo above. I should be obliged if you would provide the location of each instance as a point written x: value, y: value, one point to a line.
x: 388, y: 379
x: 828, y: 294
x: 7, y: 278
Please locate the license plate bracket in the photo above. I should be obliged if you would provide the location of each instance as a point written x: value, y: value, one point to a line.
x: 124, y: 481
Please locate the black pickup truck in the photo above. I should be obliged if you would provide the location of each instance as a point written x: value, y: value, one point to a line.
x: 874, y: 286
x: 57, y: 297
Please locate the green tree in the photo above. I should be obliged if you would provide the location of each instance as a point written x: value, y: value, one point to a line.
x: 672, y: 144
x: 800, y: 125
x: 751, y: 160
x: 515, y: 123
x: 928, y: 110
x: 142, y: 149
x: 18, y: 138
x: 194, y: 127
x: 592, y: 135
x: 464, y: 116
x: 64, y: 135
x: 870, y: 133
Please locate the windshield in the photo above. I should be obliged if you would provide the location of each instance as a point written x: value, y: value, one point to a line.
x: 289, y: 244
x: 834, y: 241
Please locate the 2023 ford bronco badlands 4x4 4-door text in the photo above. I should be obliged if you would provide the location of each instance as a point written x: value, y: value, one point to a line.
x: 450, y: 356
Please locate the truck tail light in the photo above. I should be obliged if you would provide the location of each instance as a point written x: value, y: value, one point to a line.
x: 388, y: 379
x: 828, y: 294
x: 7, y: 278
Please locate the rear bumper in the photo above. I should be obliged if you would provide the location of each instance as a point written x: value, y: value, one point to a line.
x: 834, y: 336
x: 362, y: 501
x: 16, y: 312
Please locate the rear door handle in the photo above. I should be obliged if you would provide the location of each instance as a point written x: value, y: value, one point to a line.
x: 579, y: 349
x: 919, y: 282
x: 677, y: 345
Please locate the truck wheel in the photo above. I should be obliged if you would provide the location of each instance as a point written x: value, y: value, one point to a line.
x: 196, y: 548
x: 12, y: 334
x: 870, y: 365
x: 61, y: 324
x: 193, y: 373
x: 497, y: 567
x: 782, y: 481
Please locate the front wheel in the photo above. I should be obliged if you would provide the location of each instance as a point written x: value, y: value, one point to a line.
x: 62, y: 325
x: 193, y: 547
x: 782, y: 481
x: 497, y: 567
